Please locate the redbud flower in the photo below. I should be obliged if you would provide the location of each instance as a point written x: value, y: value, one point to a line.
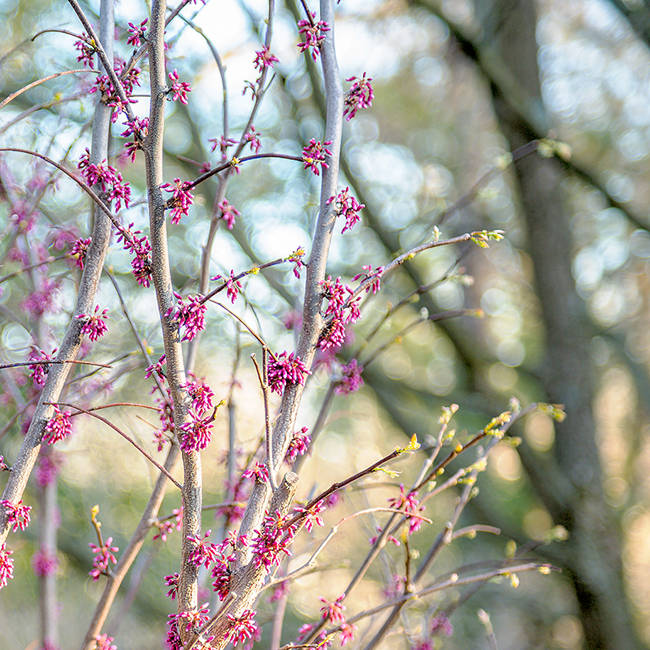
x: 181, y: 199
x: 252, y: 137
x: 259, y: 471
x: 348, y: 207
x: 87, y: 49
x: 228, y: 213
x: 313, y: 34
x: 351, y: 379
x: 179, y: 88
x: 347, y: 633
x: 58, y: 427
x: 78, y: 251
x: 312, y: 515
x: 156, y: 368
x: 359, y: 96
x: 410, y: 504
x: 264, y: 59
x: 172, y: 582
x: 138, y: 128
x: 272, y: 540
x: 193, y: 620
x: 47, y: 468
x: 6, y: 566
x: 136, y: 33
x: 103, y: 557
x: 223, y: 143
x: 169, y: 525
x: 314, y: 154
x: 283, y: 369
x: 440, y: 625
x: 298, y: 446
x: 374, y: 276
x: 141, y: 249
x: 243, y: 627
x: 296, y: 258
x: 196, y: 433
x: 16, y: 514
x: 43, y: 563
x: 280, y: 591
x: 109, y: 179
x: 3, y: 466
x: 204, y: 552
x: 232, y: 287
x: 333, y: 611
x: 94, y: 326
x: 103, y: 642
x: 39, y: 370
x: 191, y: 316
x: 201, y: 394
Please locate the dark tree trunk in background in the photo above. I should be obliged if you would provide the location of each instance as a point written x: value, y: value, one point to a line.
x: 594, y: 548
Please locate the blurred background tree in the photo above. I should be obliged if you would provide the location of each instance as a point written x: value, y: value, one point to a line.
x: 458, y: 86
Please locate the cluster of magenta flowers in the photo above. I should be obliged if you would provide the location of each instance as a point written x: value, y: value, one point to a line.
x: 41, y: 300
x: 342, y: 309
x: 351, y: 379
x: 359, y: 96
x: 104, y: 642
x: 136, y: 34
x: 264, y: 58
x: 311, y: 516
x: 112, y: 185
x: 138, y: 128
x: 164, y: 434
x: 190, y: 315
x: 252, y: 137
x: 129, y: 79
x: 223, y: 143
x: 332, y: 613
x: 371, y: 279
x: 200, y: 393
x: 78, y: 251
x: 439, y: 626
x: 94, y: 325
x: 47, y: 468
x: 258, y: 472
x: 272, y: 541
x: 298, y: 446
x: 313, y: 35
x: 179, y: 89
x: 228, y: 213
x: 187, y: 623
x: 181, y: 199
x: 285, y: 369
x: 296, y: 258
x: 233, y: 287
x: 315, y: 154
x: 38, y: 371
x: 243, y: 627
x: 410, y: 504
x: 16, y: 514
x: 6, y: 566
x: 140, y: 249
x: 87, y: 49
x: 44, y: 563
x: 348, y: 207
x: 58, y: 427
x: 196, y: 433
x: 104, y: 556
x: 169, y: 525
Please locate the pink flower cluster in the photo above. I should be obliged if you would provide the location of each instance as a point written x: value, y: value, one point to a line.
x: 181, y: 199
x: 140, y: 248
x: 272, y: 540
x: 359, y: 96
x: 312, y: 516
x: 285, y: 369
x: 104, y: 555
x: 16, y: 514
x: 200, y: 393
x: 43, y: 563
x: 87, y: 49
x: 190, y: 315
x: 47, y: 468
x: 252, y: 137
x: 108, y: 178
x: 166, y: 413
x: 187, y: 622
x: 78, y: 251
x: 58, y: 427
x: 39, y: 370
x: 371, y: 279
x: 351, y: 379
x: 104, y: 642
x: 172, y: 582
x: 243, y: 627
x: 138, y: 128
x: 94, y: 326
x: 6, y: 566
x: 228, y: 213
x: 264, y: 59
x: 196, y: 433
x: 348, y: 207
x: 136, y: 34
x: 342, y: 309
x: 233, y: 287
x: 410, y: 504
x: 179, y: 89
x: 110, y: 97
x: 258, y: 472
x: 314, y: 154
x: 298, y: 446
x: 168, y: 526
x: 296, y: 258
x: 313, y: 34
x: 223, y: 143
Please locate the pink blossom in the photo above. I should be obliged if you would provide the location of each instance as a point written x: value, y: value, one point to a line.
x: 94, y: 326
x: 298, y: 446
x: 228, y: 213
x: 292, y: 319
x: 259, y: 471
x: 440, y: 625
x: 3, y: 466
x: 396, y: 587
x: 179, y: 88
x: 138, y: 128
x: 140, y: 248
x: 196, y: 433
x: 296, y: 258
x: 172, y: 582
x: 58, y: 427
x: 136, y: 33
x: 104, y: 642
x: 243, y: 627
x: 351, y: 379
x: 108, y: 178
x: 47, y: 468
x: 78, y: 251
x: 410, y: 504
x: 264, y: 59
x: 42, y: 299
x: 252, y: 137
x: 314, y: 154
x: 359, y: 96
x: 348, y: 207
x: 181, y: 199
x: 189, y: 621
x: 280, y: 591
x: 6, y: 566
x: 39, y: 370
x: 204, y: 552
x: 312, y: 515
x: 233, y: 287
x: 271, y: 540
x: 347, y: 633
x: 191, y: 316
x: 286, y: 369
x: 44, y: 563
x: 104, y: 555
x: 223, y: 143
x: 313, y: 34
x: 201, y: 395
x: 333, y: 611
x: 87, y: 49
x: 371, y: 280
x: 156, y: 368
x: 16, y: 514
x: 168, y: 526
x: 342, y: 309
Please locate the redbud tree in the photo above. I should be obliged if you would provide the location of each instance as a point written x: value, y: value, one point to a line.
x: 271, y: 526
